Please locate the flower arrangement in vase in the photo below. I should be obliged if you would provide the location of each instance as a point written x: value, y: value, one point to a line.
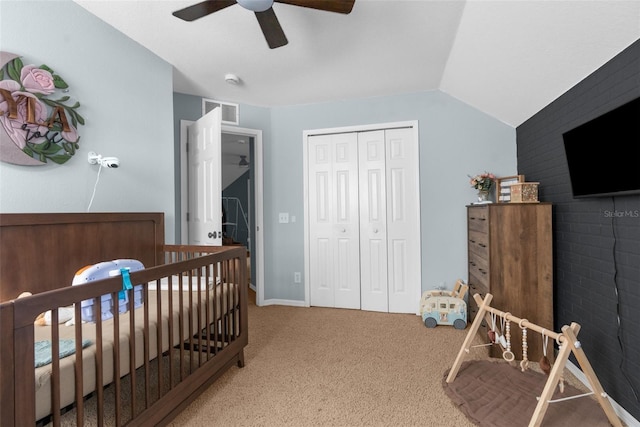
x: 483, y: 183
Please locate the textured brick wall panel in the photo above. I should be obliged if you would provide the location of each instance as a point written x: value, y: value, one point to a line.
x: 587, y: 275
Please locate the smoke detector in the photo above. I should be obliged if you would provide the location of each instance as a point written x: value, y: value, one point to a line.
x: 232, y: 79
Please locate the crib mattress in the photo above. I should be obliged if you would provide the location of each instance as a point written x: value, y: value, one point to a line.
x: 43, y: 375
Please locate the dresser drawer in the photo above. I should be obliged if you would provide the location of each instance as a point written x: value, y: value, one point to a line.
x: 479, y: 270
x: 476, y: 286
x: 478, y: 219
x: 479, y: 243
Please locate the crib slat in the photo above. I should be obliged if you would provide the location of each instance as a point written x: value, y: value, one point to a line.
x: 238, y: 280
x: 199, y: 316
x: 79, y: 378
x: 181, y: 324
x: 227, y: 319
x: 207, y: 308
x: 116, y: 362
x: 55, y: 367
x: 132, y: 352
x: 190, y: 312
x: 146, y: 344
x: 216, y: 304
x: 99, y: 366
x: 170, y: 332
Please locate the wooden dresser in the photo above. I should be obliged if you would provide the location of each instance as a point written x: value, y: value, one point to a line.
x: 510, y: 253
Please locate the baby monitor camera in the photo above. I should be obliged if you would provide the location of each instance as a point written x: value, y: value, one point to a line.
x: 105, y: 162
x: 110, y: 162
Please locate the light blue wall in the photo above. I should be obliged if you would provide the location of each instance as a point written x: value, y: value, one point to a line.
x: 456, y: 140
x: 125, y: 93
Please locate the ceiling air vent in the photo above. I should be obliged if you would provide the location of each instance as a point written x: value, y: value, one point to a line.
x: 229, y: 111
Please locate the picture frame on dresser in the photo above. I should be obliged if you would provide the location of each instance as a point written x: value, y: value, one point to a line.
x: 503, y: 187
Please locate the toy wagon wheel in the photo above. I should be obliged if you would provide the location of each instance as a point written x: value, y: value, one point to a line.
x: 459, y: 324
x: 430, y: 322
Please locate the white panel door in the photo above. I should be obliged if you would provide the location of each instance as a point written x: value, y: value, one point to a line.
x: 205, y: 192
x: 334, y: 268
x: 320, y: 182
x: 403, y: 220
x: 373, y: 220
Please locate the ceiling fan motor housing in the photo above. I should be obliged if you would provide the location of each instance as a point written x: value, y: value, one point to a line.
x: 256, y: 5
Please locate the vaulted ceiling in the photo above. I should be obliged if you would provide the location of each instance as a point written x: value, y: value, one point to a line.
x: 506, y: 58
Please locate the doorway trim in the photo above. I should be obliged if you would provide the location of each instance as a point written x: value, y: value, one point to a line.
x: 413, y: 124
x: 258, y: 201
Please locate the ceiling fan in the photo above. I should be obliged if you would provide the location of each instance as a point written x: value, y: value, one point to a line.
x: 267, y: 19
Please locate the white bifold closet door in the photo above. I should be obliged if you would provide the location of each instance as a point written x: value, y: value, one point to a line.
x: 333, y: 215
x: 364, y: 220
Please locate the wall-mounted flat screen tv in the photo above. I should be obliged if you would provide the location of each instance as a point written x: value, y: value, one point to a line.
x: 603, y: 154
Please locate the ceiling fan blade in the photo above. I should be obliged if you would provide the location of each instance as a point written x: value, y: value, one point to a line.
x: 201, y: 9
x: 271, y: 28
x: 338, y: 6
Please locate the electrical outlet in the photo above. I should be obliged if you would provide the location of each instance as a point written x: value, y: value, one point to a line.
x: 297, y: 278
x: 283, y: 217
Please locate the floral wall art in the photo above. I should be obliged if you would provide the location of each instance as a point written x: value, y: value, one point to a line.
x: 38, y: 119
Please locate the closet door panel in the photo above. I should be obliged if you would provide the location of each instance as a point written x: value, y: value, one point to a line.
x: 333, y: 213
x: 403, y: 220
x: 346, y: 219
x: 373, y: 220
x: 321, y: 269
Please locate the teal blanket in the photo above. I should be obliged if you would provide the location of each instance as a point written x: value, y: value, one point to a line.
x: 43, y: 350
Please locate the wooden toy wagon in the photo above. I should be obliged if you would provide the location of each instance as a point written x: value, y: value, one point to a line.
x: 439, y: 307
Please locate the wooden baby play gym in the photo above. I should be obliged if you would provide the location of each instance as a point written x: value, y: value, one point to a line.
x: 512, y: 327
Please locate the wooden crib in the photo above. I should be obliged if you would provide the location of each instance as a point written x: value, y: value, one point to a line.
x: 143, y: 365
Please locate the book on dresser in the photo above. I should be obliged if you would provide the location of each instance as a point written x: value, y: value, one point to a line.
x: 510, y: 255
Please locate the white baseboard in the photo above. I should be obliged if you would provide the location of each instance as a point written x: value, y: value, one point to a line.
x: 293, y: 303
x: 622, y: 413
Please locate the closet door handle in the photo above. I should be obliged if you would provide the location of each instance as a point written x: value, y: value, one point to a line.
x: 375, y: 230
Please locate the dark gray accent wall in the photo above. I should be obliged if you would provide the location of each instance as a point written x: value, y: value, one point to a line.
x: 596, y: 240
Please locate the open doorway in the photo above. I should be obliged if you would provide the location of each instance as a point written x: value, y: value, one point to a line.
x: 237, y: 189
x: 244, y: 182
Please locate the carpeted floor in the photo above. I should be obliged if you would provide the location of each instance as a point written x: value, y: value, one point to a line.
x: 331, y: 367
